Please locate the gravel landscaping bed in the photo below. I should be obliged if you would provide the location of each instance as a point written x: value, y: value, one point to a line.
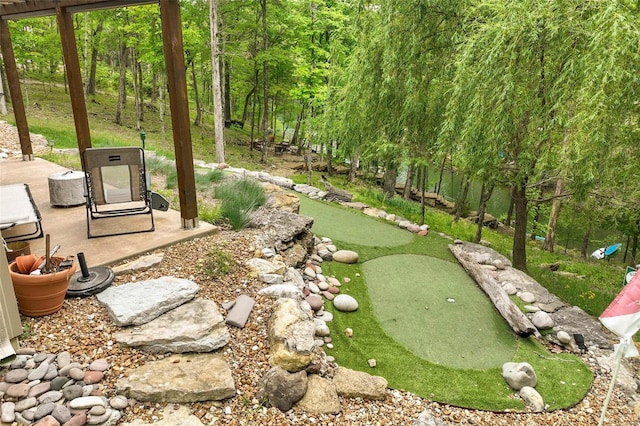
x: 84, y: 328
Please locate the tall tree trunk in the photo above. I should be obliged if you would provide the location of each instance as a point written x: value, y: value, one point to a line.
x: 196, y: 95
x: 140, y: 91
x: 423, y: 187
x: 408, y: 183
x: 556, y: 206
x: 265, y: 83
x: 444, y: 161
x: 519, y: 251
x: 161, y: 89
x: 227, y: 92
x: 85, y: 52
x: 462, y: 199
x: 91, y: 83
x: 536, y: 214
x: 353, y: 167
x: 509, y: 218
x: 218, y: 117
x: 390, y: 176
x: 247, y: 101
x: 485, y: 195
x: 634, y: 250
x: 136, y: 89
x: 254, y: 106
x: 296, y: 130
x: 3, y: 98
x: 122, y: 84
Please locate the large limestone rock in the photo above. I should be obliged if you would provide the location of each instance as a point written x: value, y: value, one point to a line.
x: 258, y: 266
x: 197, y: 326
x: 277, y: 291
x: 137, y: 303
x: 284, y: 231
x: 180, y: 378
x: 357, y: 384
x: 291, y: 335
x: 283, y: 389
x: 519, y: 374
x: 321, y: 397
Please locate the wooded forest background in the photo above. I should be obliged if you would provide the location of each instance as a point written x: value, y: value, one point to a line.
x: 541, y: 97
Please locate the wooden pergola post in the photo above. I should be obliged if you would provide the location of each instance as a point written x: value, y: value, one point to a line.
x: 16, y: 93
x: 74, y: 77
x: 179, y: 103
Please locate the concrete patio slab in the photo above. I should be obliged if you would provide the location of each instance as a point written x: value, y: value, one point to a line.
x: 67, y: 225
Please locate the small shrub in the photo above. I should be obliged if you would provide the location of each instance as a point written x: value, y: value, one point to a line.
x: 211, y: 176
x: 210, y: 214
x: 218, y: 263
x: 239, y: 198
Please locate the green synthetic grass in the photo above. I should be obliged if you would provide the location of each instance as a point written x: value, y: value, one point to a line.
x: 432, y: 301
x: 353, y: 226
x: 563, y: 379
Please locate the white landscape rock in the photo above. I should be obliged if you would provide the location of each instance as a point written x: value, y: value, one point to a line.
x: 542, y: 320
x: 345, y: 256
x: 345, y: 303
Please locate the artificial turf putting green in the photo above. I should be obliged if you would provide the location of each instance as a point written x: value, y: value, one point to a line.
x: 352, y: 226
x: 435, y: 310
x: 563, y: 379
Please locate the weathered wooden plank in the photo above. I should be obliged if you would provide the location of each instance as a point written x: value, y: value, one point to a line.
x: 509, y: 311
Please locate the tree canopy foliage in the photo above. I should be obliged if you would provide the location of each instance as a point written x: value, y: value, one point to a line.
x: 528, y: 95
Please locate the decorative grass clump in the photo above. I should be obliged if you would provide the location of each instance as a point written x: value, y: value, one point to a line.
x: 239, y: 198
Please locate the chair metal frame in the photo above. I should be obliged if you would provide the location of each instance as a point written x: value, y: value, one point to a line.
x: 98, y: 201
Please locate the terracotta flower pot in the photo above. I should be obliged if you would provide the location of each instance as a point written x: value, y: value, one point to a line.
x: 40, y: 295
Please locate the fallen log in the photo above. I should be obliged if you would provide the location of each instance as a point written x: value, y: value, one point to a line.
x: 510, y: 312
x: 335, y: 194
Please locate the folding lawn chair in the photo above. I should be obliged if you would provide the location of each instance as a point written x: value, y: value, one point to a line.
x: 19, y: 216
x: 117, y: 186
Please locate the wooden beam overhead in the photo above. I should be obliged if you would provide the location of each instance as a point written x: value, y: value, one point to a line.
x: 20, y: 9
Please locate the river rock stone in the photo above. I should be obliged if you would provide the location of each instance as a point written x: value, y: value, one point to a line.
x: 16, y: 376
x: 180, y: 378
x: 532, y: 399
x: 39, y: 372
x: 542, y: 320
x: 61, y: 413
x: 26, y: 403
x: 321, y: 396
x: 345, y: 303
x: 72, y: 392
x: 283, y: 389
x: 7, y: 412
x: 315, y: 301
x: 345, y: 256
x: 356, y: 384
x: 197, y: 326
x: 519, y: 374
x: 137, y: 303
x: 86, y: 402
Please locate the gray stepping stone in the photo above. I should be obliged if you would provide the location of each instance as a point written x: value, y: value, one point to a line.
x: 196, y: 326
x: 180, y: 379
x: 240, y: 312
x: 139, y: 302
